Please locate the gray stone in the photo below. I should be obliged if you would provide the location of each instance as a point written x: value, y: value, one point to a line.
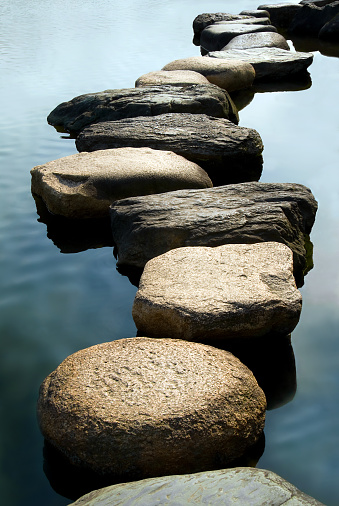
x: 227, y: 152
x: 215, y: 37
x: 310, y: 19
x: 174, y: 77
x: 226, y: 292
x: 269, y: 63
x: 145, y: 227
x: 253, y: 20
x: 256, y: 13
x: 262, y: 39
x: 142, y: 407
x: 330, y: 31
x: 281, y: 15
x: 206, y: 19
x: 84, y: 185
x: 319, y: 3
x: 229, y: 75
x: 245, y: 486
x: 112, y: 105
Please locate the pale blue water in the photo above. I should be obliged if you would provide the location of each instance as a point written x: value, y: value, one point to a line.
x: 53, y: 304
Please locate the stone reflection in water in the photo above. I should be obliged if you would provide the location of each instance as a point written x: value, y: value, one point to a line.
x: 73, y: 481
x: 73, y: 236
x: 271, y: 359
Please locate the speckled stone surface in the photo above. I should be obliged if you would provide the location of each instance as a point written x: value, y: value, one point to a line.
x: 227, y: 487
x: 236, y: 290
x: 84, y: 185
x: 215, y: 37
x: 142, y: 407
x: 262, y: 39
x: 174, y: 77
x: 231, y: 76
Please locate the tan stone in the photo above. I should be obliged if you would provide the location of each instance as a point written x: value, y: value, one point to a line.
x: 141, y: 407
x: 229, y: 75
x: 236, y: 290
x: 174, y: 77
x: 84, y: 185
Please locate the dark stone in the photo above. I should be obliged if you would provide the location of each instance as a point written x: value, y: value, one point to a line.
x: 281, y: 15
x: 257, y: 13
x: 270, y: 63
x: 310, y: 19
x: 228, y: 153
x: 145, y: 227
x: 215, y: 37
x: 206, y: 19
x: 330, y: 31
x: 112, y: 105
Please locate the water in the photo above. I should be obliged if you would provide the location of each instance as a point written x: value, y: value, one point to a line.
x: 53, y: 304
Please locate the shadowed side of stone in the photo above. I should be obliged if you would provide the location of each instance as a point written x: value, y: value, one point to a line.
x: 146, y: 227
x: 112, y: 105
x: 228, y: 153
x: 140, y: 407
x: 245, y: 486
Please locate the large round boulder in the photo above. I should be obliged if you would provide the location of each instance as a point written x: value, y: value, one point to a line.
x: 174, y: 77
x: 86, y: 184
x: 141, y: 407
x: 231, y: 76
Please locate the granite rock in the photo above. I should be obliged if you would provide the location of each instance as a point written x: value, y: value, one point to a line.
x: 310, y: 19
x: 84, y: 185
x: 112, y: 105
x: 231, y: 291
x: 145, y: 227
x: 215, y: 37
x: 262, y: 39
x: 227, y: 152
x: 174, y: 77
x: 141, y: 407
x: 202, y: 20
x: 269, y: 63
x: 282, y: 14
x: 229, y: 75
x: 243, y: 485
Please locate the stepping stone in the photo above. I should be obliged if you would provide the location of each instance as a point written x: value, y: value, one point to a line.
x: 141, y: 407
x: 84, y: 185
x: 231, y: 291
x: 145, y: 227
x: 174, y: 77
x: 112, y: 105
x: 262, y: 39
x: 269, y: 63
x: 229, y: 75
x: 215, y: 37
x: 206, y: 19
x: 247, y: 486
x: 310, y: 19
x: 256, y: 13
x: 282, y: 14
x: 227, y: 152
x: 330, y: 31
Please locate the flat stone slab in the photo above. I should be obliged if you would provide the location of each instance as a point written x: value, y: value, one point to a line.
x: 208, y: 18
x: 269, y: 63
x: 281, y: 14
x: 215, y: 37
x: 262, y: 39
x: 145, y: 227
x: 85, y: 185
x: 141, y: 407
x: 241, y: 485
x: 174, y: 77
x: 227, y: 152
x: 112, y: 105
x: 231, y: 291
x: 229, y: 75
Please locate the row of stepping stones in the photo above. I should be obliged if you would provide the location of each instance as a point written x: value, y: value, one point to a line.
x: 217, y: 263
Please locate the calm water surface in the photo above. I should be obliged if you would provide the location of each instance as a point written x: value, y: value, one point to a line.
x: 53, y: 304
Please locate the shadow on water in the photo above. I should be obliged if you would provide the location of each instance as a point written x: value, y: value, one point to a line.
x: 73, y: 481
x: 73, y: 236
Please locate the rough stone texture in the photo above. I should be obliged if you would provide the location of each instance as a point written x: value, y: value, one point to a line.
x: 281, y: 15
x: 263, y: 39
x: 112, y: 105
x: 231, y: 291
x: 310, y: 19
x: 227, y: 152
x: 228, y: 75
x: 257, y: 13
x: 84, y: 185
x: 241, y: 485
x: 252, y: 20
x: 330, y: 31
x: 145, y: 227
x: 319, y: 3
x: 141, y: 407
x: 269, y: 63
x: 206, y: 19
x: 174, y: 77
x: 215, y: 37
